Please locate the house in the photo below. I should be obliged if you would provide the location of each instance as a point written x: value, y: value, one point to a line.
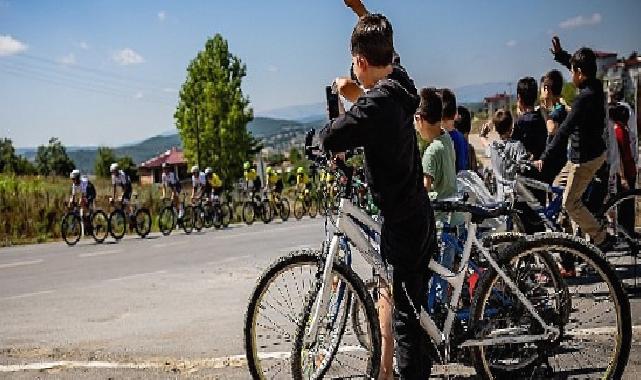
x: 603, y: 61
x: 493, y: 103
x: 150, y: 171
x: 626, y: 74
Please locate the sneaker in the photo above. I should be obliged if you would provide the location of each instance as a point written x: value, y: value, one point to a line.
x: 608, y: 243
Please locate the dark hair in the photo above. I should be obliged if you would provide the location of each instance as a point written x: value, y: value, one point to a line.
x: 431, y: 107
x: 502, y: 121
x: 584, y: 59
x: 528, y: 91
x: 449, y: 103
x: 464, y: 121
x: 373, y: 39
x: 554, y: 81
x: 619, y: 113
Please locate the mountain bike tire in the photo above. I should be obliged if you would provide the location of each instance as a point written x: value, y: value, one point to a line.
x: 71, y: 228
x: 143, y: 222
x: 167, y: 220
x: 100, y: 226
x: 117, y: 224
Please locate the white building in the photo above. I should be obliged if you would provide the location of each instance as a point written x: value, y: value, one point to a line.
x: 625, y: 72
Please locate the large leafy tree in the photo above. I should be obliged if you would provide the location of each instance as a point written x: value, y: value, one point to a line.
x: 104, y: 157
x: 52, y: 159
x: 12, y: 163
x: 213, y: 108
x: 128, y: 165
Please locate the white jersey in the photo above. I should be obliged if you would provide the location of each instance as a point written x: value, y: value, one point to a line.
x: 198, y: 180
x: 120, y: 179
x: 169, y: 179
x: 81, y: 188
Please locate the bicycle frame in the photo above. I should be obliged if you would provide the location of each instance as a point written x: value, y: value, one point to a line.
x: 347, y: 228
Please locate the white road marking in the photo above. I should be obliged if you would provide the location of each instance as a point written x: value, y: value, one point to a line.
x: 20, y: 263
x: 163, y: 245
x: 99, y: 253
x: 26, y: 295
x: 137, y: 275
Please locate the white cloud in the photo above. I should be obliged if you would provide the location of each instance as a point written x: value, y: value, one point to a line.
x: 138, y: 95
x: 511, y: 43
x: 127, y: 56
x: 162, y: 15
x: 272, y: 69
x: 83, y: 45
x: 11, y: 46
x: 579, y: 21
x: 69, y: 59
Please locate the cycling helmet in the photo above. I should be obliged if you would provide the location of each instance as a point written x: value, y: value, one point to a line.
x: 300, y: 170
x: 209, y: 171
x: 75, y: 174
x: 113, y: 167
x: 246, y: 165
x: 270, y: 170
x: 165, y: 166
x: 194, y: 169
x: 279, y: 171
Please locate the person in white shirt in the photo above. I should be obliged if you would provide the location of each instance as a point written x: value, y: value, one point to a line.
x: 171, y: 182
x: 120, y: 179
x: 198, y: 180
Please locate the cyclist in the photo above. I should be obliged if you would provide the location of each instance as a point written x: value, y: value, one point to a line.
x: 215, y: 182
x: 197, y: 182
x: 120, y: 178
x: 86, y: 193
x: 252, y: 180
x: 170, y: 181
x: 302, y: 180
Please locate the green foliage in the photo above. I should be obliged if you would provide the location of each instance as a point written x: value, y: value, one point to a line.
x: 275, y: 159
x: 52, y: 159
x: 294, y: 155
x: 568, y: 93
x: 104, y: 157
x: 128, y: 165
x: 212, y: 107
x: 12, y: 163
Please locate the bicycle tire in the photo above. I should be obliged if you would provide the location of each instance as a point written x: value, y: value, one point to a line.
x: 266, y: 212
x: 217, y: 216
x: 207, y: 215
x: 589, y: 255
x: 100, y: 226
x: 226, y: 214
x: 199, y: 220
x: 265, y: 284
x: 188, y: 219
x: 361, y: 335
x: 284, y: 209
x: 249, y: 213
x: 143, y: 222
x: 166, y: 220
x: 299, y: 209
x: 71, y: 220
x: 313, y: 207
x: 117, y: 218
x: 631, y: 238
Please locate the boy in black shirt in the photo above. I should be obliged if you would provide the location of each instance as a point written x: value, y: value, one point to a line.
x: 381, y: 121
x: 529, y: 128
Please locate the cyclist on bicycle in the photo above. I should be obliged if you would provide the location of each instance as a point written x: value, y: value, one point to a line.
x: 303, y: 182
x: 170, y: 180
x: 197, y: 182
x: 120, y: 179
x: 215, y: 182
x: 252, y: 181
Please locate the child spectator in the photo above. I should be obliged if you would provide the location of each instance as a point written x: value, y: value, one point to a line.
x: 530, y: 126
x: 449, y: 114
x: 505, y: 151
x: 627, y: 170
x: 554, y: 112
x: 463, y: 124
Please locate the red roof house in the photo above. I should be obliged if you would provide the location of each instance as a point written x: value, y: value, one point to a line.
x: 150, y: 171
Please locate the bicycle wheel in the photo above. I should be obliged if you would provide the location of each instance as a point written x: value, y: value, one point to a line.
x: 275, y: 311
x: 299, y: 209
x: 100, y: 226
x: 226, y: 214
x: 284, y: 209
x: 216, y: 216
x: 312, y: 208
x: 207, y: 215
x: 248, y: 213
x: 71, y: 228
x: 595, y: 342
x: 143, y: 222
x: 166, y: 220
x: 626, y: 205
x: 266, y: 212
x: 199, y: 220
x: 117, y: 224
x: 188, y: 219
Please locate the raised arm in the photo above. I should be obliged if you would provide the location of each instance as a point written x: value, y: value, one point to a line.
x: 357, y: 7
x: 560, y: 55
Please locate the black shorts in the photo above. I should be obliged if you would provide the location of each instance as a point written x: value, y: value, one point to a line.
x: 126, y: 192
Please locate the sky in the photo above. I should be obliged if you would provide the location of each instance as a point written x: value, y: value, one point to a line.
x: 108, y: 71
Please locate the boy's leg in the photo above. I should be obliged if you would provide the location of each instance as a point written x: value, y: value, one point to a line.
x: 385, y: 309
x: 579, y: 178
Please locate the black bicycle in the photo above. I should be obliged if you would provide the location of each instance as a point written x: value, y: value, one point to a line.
x: 96, y: 224
x: 139, y: 220
x: 255, y: 206
x: 168, y: 217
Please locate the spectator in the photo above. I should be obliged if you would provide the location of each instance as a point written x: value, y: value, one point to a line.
x: 463, y: 124
x: 627, y: 170
x: 554, y: 112
x: 449, y: 114
x: 530, y: 127
x: 505, y: 151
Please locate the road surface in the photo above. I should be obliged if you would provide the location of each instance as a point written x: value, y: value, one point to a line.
x: 161, y: 307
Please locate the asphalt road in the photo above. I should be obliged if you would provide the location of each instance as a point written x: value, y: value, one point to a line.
x: 162, y: 307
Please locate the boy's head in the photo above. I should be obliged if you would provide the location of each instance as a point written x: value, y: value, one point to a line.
x: 463, y: 121
x: 372, y: 47
x: 552, y: 85
x: 583, y: 64
x: 449, y: 104
x: 526, y: 92
x: 427, y: 119
x: 619, y: 114
x: 502, y: 121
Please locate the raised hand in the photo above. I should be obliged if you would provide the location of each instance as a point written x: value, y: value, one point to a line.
x: 556, y: 45
x: 356, y: 6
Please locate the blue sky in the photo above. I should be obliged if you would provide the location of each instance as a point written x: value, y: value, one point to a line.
x: 108, y: 71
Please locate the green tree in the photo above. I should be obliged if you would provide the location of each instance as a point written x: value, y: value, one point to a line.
x: 104, y: 157
x: 52, y: 159
x: 294, y: 155
x: 568, y: 93
x: 12, y: 163
x: 127, y: 165
x: 213, y: 108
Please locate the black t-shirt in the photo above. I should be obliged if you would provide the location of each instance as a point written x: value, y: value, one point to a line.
x: 530, y: 130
